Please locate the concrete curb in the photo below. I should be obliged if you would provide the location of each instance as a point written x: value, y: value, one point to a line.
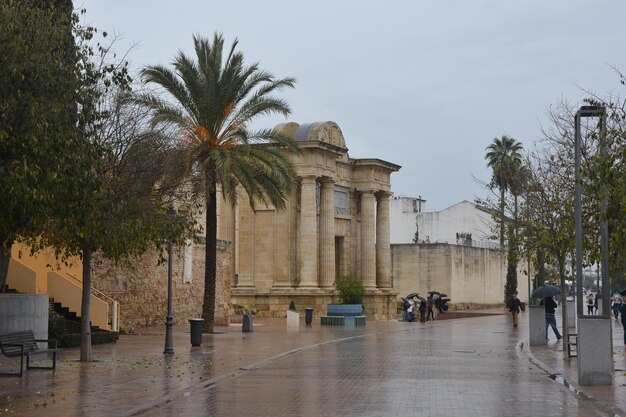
x: 523, y: 350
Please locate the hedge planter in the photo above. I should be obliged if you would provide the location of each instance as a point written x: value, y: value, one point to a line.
x: 343, y: 315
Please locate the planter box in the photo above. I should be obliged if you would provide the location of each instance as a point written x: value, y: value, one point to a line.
x: 344, y: 310
x: 293, y: 318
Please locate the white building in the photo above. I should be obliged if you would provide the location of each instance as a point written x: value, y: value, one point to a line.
x: 463, y: 223
x: 402, y: 217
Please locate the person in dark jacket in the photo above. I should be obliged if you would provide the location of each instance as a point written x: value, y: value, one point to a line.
x: 623, y: 314
x: 550, y: 306
x: 514, y: 306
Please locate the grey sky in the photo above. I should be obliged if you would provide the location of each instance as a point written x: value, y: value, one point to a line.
x: 423, y: 84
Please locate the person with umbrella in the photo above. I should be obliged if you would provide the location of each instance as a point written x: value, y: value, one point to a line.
x: 546, y: 292
x: 623, y: 313
x: 514, y: 306
x: 617, y: 304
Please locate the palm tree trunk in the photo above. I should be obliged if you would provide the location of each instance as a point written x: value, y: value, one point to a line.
x: 210, y: 256
x: 501, y: 217
x: 85, y: 323
x: 515, y: 216
x: 5, y: 258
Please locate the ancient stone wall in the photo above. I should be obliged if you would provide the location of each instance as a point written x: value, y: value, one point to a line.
x: 377, y: 306
x: 140, y: 286
x: 469, y: 275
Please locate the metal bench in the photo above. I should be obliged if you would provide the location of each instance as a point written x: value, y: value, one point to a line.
x: 23, y: 344
x: 572, y: 342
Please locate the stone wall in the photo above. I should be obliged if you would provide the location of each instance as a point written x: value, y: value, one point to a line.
x: 140, y: 286
x: 469, y: 275
x: 377, y: 306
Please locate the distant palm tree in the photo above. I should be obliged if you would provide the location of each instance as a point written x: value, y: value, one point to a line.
x: 504, y: 158
x: 212, y: 98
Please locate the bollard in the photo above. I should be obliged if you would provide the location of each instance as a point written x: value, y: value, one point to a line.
x: 196, y: 331
x: 308, y: 316
x: 247, y: 327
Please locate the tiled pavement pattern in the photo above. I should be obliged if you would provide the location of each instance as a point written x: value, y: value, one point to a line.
x: 551, y: 356
x: 464, y: 367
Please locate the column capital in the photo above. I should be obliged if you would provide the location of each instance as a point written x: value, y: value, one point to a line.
x: 367, y: 191
x: 308, y: 178
x: 327, y: 181
x: 383, y: 194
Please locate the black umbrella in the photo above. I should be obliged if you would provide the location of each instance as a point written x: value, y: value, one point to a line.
x: 434, y: 292
x: 414, y: 294
x: 623, y: 292
x: 442, y: 295
x: 546, y: 290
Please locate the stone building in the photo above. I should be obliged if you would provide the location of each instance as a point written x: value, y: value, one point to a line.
x: 336, y: 223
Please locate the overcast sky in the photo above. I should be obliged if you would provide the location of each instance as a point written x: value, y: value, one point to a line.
x: 423, y: 84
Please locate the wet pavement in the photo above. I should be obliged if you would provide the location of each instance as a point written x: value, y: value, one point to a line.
x: 460, y: 367
x: 552, y: 359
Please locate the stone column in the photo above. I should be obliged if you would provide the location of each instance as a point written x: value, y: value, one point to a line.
x: 226, y: 229
x: 383, y: 248
x: 368, y: 239
x: 327, y: 234
x: 245, y: 245
x: 307, y: 234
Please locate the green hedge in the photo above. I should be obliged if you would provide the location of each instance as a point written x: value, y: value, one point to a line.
x: 98, y: 337
x: 67, y: 332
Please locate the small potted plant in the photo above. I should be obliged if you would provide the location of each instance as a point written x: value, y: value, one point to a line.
x: 351, y: 293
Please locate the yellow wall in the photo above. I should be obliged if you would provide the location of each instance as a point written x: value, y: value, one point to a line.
x: 41, y: 273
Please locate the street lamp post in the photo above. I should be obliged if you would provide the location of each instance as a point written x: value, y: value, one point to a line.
x: 594, y: 341
x: 169, y: 321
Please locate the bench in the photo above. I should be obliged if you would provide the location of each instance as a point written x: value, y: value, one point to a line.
x: 23, y: 344
x: 572, y: 342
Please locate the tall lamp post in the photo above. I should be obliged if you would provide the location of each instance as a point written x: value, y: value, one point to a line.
x: 594, y: 341
x: 169, y: 321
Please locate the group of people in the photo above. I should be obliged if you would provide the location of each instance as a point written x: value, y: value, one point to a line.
x: 515, y: 306
x: 428, y: 308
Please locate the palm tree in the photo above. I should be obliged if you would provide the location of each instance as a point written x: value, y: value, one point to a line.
x: 504, y: 158
x: 211, y: 99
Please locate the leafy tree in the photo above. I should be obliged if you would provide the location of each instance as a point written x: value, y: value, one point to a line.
x: 113, y: 189
x: 37, y: 114
x: 350, y: 289
x: 606, y: 176
x: 504, y: 158
x: 212, y: 98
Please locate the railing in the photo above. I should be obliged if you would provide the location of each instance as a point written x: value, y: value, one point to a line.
x: 114, y: 319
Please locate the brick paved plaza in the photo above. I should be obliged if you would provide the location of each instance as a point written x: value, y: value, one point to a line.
x: 462, y: 367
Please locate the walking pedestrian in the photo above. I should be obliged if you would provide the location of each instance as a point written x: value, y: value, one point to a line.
x: 623, y: 313
x: 429, y: 305
x: 514, y: 306
x: 617, y: 305
x: 422, y: 310
x: 595, y: 303
x: 410, y: 311
x: 589, y: 303
x: 550, y: 306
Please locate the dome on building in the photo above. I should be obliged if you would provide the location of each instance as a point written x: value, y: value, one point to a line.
x: 328, y: 132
